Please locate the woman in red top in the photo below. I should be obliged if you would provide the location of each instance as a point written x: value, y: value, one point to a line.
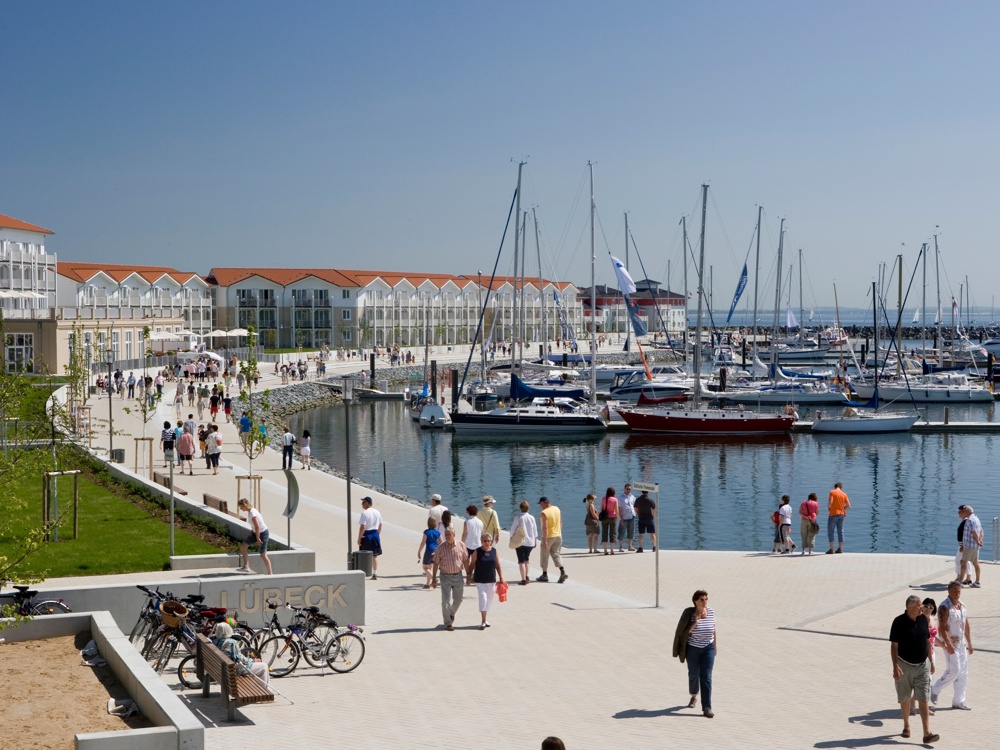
x: 807, y: 512
x: 609, y: 519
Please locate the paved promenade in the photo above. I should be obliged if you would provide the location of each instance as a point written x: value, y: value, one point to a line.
x: 803, y: 659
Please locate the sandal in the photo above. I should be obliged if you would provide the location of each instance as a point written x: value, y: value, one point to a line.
x: 905, y: 733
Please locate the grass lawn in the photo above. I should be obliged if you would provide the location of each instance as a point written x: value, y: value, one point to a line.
x: 120, y: 532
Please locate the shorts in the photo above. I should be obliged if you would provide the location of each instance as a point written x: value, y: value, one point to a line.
x: 915, y: 682
x: 429, y: 556
x: 523, y: 553
x: 647, y: 527
x: 187, y: 456
x: 370, y: 541
x: 970, y: 554
x: 265, y: 535
x: 786, y: 532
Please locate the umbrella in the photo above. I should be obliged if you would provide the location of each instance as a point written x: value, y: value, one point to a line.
x: 216, y: 332
x: 238, y: 332
x: 164, y: 336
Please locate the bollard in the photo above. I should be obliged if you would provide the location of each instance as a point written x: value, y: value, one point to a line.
x: 946, y: 415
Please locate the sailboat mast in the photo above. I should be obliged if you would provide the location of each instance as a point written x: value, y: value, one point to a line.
x: 523, y: 330
x: 777, y: 301
x: 628, y: 324
x: 923, y: 306
x: 515, y: 361
x: 899, y: 319
x: 701, y: 294
x: 684, y: 255
x: 593, y: 293
x: 756, y: 279
x: 802, y: 315
x: 541, y: 291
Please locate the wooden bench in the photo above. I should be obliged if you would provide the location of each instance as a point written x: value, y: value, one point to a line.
x: 237, y: 689
x: 217, y: 503
x: 164, y: 480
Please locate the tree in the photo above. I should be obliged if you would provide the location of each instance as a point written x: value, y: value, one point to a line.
x: 148, y: 398
x: 256, y: 410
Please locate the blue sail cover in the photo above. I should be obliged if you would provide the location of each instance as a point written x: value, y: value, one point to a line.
x: 519, y: 391
x: 638, y: 327
x: 740, y: 286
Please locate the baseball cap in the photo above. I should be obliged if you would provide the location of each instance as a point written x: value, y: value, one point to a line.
x: 542, y: 500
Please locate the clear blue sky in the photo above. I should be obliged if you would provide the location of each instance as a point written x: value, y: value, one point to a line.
x: 380, y: 134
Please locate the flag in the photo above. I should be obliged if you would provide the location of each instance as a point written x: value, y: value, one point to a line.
x: 638, y: 327
x: 740, y: 286
x: 625, y: 283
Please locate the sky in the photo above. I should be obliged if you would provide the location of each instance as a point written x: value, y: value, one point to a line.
x: 386, y: 136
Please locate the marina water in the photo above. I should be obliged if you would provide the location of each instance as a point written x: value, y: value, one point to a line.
x: 715, y: 493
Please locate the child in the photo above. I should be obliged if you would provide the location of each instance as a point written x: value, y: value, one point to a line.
x: 428, y: 546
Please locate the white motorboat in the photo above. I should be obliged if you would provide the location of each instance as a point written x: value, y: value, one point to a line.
x: 856, y: 422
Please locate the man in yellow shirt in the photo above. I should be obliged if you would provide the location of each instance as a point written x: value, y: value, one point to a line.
x: 551, y: 537
x: 837, y: 505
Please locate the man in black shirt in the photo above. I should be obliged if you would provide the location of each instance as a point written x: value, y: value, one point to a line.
x: 910, y: 669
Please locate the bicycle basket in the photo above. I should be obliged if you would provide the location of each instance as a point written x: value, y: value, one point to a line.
x: 172, y: 613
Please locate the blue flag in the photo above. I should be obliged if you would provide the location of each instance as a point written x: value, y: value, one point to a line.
x: 638, y: 327
x: 739, y: 293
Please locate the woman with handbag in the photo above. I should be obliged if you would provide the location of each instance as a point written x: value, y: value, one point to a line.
x: 808, y: 526
x: 485, y: 570
x: 609, y: 519
x: 592, y: 523
x: 523, y: 536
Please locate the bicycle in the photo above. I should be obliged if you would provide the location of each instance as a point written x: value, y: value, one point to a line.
x: 315, y: 637
x: 24, y: 606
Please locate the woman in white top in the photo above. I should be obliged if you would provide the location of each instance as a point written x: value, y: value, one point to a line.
x: 472, y: 532
x: 305, y: 449
x: 258, y: 533
x: 524, y: 524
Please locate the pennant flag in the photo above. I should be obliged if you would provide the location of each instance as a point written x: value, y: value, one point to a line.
x: 625, y: 283
x: 638, y: 327
x: 740, y: 286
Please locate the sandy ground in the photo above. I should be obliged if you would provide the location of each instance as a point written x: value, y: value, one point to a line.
x: 48, y: 694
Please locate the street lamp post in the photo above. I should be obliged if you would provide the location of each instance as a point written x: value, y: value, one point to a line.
x: 348, y: 396
x: 109, y: 360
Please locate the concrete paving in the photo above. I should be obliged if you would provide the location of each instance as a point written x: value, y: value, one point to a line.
x: 803, y: 656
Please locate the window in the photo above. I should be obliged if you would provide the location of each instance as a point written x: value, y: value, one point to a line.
x: 19, y: 352
x: 345, y: 294
x: 348, y: 336
x: 128, y: 344
x: 345, y: 314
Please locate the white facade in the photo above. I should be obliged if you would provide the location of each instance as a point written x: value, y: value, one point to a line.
x: 27, y: 275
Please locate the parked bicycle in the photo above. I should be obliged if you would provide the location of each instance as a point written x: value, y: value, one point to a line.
x: 315, y: 637
x: 25, y: 606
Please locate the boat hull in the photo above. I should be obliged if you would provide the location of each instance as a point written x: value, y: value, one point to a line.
x: 864, y: 424
x: 928, y: 394
x: 706, y: 422
x: 526, y: 424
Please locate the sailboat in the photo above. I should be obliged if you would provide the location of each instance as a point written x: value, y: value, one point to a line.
x: 696, y: 419
x: 546, y: 413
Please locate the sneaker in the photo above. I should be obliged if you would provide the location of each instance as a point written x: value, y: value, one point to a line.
x: 934, y: 697
x: 975, y: 585
x: 840, y: 551
x: 829, y: 552
x: 962, y: 706
x: 482, y: 626
x: 543, y: 578
x: 563, y: 577
x: 638, y: 549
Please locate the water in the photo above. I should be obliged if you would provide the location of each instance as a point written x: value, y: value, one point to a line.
x: 715, y: 493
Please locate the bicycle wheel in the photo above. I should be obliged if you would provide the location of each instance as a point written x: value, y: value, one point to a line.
x: 139, y: 631
x: 187, y: 672
x: 151, y: 646
x: 165, y: 653
x: 50, y: 607
x: 280, y: 654
x: 345, y: 652
x: 316, y: 643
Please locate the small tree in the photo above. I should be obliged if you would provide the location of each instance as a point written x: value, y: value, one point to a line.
x: 255, y: 442
x: 149, y: 399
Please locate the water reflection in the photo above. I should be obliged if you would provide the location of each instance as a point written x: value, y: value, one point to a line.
x: 715, y: 492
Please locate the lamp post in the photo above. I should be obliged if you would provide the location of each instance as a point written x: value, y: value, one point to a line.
x: 109, y: 360
x: 348, y: 396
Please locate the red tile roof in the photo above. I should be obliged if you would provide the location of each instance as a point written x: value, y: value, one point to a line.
x: 9, y: 222
x: 120, y: 272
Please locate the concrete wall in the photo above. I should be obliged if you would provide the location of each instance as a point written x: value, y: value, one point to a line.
x: 299, y: 560
x: 339, y: 595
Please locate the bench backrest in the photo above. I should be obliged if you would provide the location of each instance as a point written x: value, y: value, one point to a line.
x: 216, y: 664
x: 216, y: 502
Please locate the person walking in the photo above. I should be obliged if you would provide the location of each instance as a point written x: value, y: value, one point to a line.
x: 167, y: 441
x: 287, y: 448
x: 437, y: 511
x: 213, y: 447
x: 626, y: 518
x: 472, y: 533
x: 485, y: 566
x: 837, y: 505
x: 972, y: 542
x: 185, y: 451
x: 695, y: 641
x: 131, y: 385
x: 609, y: 519
x: 645, y: 508
x: 591, y: 523
x: 258, y: 533
x: 451, y: 559
x: 963, y: 570
x: 785, y: 525
x: 429, y: 542
x: 370, y: 533
x: 808, y: 511
x: 179, y: 401
x: 551, y: 540
x: 955, y: 633
x: 305, y: 450
x: 523, y: 537
x: 911, y: 668
x: 227, y: 404
x: 489, y: 517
